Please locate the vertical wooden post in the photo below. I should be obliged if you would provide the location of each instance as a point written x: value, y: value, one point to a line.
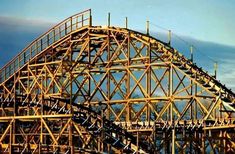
x: 173, y: 141
x: 191, y: 53
x: 171, y: 111
x: 216, y: 68
x: 169, y: 37
x: 128, y: 109
x: 90, y: 21
x: 137, y: 136
x: 10, y: 140
x: 71, y: 105
x: 109, y: 19
x: 147, y: 27
x: 203, y: 142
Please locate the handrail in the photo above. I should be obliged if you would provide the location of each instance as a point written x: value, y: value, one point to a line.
x: 57, y: 32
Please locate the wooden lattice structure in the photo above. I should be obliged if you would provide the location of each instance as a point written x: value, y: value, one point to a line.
x: 81, y: 88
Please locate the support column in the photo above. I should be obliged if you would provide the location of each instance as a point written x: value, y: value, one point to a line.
x: 171, y: 111
x: 10, y: 140
x: 41, y: 136
x: 41, y: 128
x: 100, y: 140
x: 71, y: 106
x: 173, y: 141
x: 137, y: 136
x: 224, y: 141
x: 128, y: 108
x: 203, y: 142
x: 71, y: 137
x: 108, y: 84
x: 148, y: 82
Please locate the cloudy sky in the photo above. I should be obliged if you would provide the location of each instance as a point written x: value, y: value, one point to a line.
x: 207, y: 24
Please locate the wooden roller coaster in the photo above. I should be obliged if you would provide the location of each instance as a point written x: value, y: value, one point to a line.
x: 81, y: 88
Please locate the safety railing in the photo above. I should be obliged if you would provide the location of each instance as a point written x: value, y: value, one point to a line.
x: 53, y: 35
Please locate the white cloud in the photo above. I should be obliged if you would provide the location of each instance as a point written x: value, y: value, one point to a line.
x: 14, y: 21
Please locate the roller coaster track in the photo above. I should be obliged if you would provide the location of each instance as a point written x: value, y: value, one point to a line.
x: 92, y: 121
x: 156, y: 100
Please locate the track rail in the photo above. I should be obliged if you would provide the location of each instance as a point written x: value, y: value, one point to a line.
x: 195, y: 72
x: 96, y: 124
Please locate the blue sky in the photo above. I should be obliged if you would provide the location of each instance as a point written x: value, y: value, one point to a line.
x: 207, y: 24
x: 208, y: 20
